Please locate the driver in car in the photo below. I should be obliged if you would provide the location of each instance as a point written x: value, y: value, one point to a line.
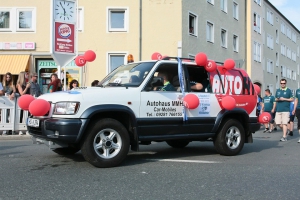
x: 167, y: 85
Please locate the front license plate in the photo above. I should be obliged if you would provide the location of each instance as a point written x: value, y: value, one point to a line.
x: 33, y: 122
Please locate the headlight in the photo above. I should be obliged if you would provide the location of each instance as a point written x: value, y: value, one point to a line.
x: 66, y: 108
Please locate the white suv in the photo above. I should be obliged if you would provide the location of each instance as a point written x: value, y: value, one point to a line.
x: 128, y: 109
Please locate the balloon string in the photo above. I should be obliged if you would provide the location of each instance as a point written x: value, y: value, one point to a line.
x: 181, y: 81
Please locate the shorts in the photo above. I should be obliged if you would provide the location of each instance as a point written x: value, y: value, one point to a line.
x: 282, y: 118
x: 272, y: 116
x: 292, y: 117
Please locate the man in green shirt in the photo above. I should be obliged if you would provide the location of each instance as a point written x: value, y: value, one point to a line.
x: 283, y: 98
x: 167, y: 85
x: 269, y: 105
x: 297, y: 109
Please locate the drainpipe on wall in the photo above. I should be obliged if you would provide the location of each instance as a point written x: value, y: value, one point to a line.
x: 140, y: 33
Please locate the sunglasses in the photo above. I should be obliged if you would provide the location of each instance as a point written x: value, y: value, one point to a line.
x: 283, y: 83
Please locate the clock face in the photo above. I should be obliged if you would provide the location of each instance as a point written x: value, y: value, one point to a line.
x: 64, y: 10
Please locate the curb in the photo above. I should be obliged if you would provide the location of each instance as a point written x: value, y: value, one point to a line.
x: 15, y: 137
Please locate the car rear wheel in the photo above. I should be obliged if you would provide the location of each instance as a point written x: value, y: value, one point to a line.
x: 106, y: 144
x: 230, y: 139
x: 178, y: 143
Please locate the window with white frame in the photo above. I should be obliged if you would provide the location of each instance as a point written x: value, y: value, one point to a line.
x: 257, y: 52
x: 258, y: 2
x: 283, y: 49
x: 18, y: 19
x: 288, y: 53
x: 288, y: 73
x: 270, y: 42
x: 277, y: 37
x: 5, y: 20
x: 277, y: 59
x: 257, y: 22
x: 115, y: 60
x: 270, y: 17
x: 298, y: 51
x: 223, y: 38
x: 270, y: 66
x: 294, y: 75
x: 293, y: 56
x: 211, y: 1
x: 288, y: 33
x: 282, y: 27
x: 283, y: 71
x: 209, y: 32
x: 235, y: 43
x: 80, y: 18
x: 294, y: 37
x: 26, y: 19
x: 223, y: 5
x: 271, y: 88
x: 193, y: 21
x: 117, y: 19
x: 235, y: 10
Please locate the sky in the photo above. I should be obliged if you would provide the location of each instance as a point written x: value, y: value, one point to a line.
x: 290, y: 9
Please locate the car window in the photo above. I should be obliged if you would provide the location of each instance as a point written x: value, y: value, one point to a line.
x: 198, y: 79
x: 165, y: 78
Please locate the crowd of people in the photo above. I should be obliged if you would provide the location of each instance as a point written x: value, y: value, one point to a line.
x: 24, y: 85
x: 283, y: 107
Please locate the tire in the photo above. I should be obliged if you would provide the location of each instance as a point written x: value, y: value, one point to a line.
x: 106, y: 143
x: 230, y: 139
x: 178, y: 143
x: 66, y: 151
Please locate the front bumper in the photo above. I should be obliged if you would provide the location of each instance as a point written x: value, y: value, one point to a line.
x: 58, y: 130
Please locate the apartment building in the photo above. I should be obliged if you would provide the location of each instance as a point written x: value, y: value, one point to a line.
x: 275, y: 47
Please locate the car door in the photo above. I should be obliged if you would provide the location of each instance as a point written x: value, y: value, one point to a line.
x: 161, y: 111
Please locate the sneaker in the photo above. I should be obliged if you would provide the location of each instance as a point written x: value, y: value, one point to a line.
x: 270, y: 131
x: 4, y: 133
x: 27, y: 133
x: 266, y: 130
x: 21, y: 133
x: 275, y: 129
x: 283, y: 139
x: 291, y: 133
x: 299, y: 141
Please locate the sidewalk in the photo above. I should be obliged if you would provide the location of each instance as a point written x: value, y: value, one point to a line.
x: 15, y: 137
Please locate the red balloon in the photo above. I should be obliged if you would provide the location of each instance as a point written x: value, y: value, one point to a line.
x: 156, y: 56
x: 80, y: 61
x: 264, y: 117
x: 228, y: 103
x: 89, y: 55
x: 256, y: 88
x: 201, y: 59
x: 191, y: 101
x: 39, y: 107
x: 229, y: 64
x: 24, y: 101
x: 211, y: 66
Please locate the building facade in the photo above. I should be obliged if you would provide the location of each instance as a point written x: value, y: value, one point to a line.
x: 253, y: 33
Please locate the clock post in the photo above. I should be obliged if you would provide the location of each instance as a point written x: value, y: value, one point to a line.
x: 63, y: 47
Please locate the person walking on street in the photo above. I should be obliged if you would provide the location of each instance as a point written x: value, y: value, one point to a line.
x: 296, y: 110
x: 34, y: 86
x: 269, y: 105
x: 292, y: 117
x: 283, y: 97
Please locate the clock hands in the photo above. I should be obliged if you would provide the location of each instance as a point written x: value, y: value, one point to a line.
x: 63, y: 8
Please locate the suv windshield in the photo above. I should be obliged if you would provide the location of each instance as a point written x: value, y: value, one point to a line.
x: 131, y: 75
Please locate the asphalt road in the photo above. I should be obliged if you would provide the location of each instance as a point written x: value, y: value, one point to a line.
x: 266, y: 169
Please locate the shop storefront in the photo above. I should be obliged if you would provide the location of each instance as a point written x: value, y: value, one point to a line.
x: 46, y: 67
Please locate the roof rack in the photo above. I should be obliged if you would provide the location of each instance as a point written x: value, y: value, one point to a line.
x: 191, y: 59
